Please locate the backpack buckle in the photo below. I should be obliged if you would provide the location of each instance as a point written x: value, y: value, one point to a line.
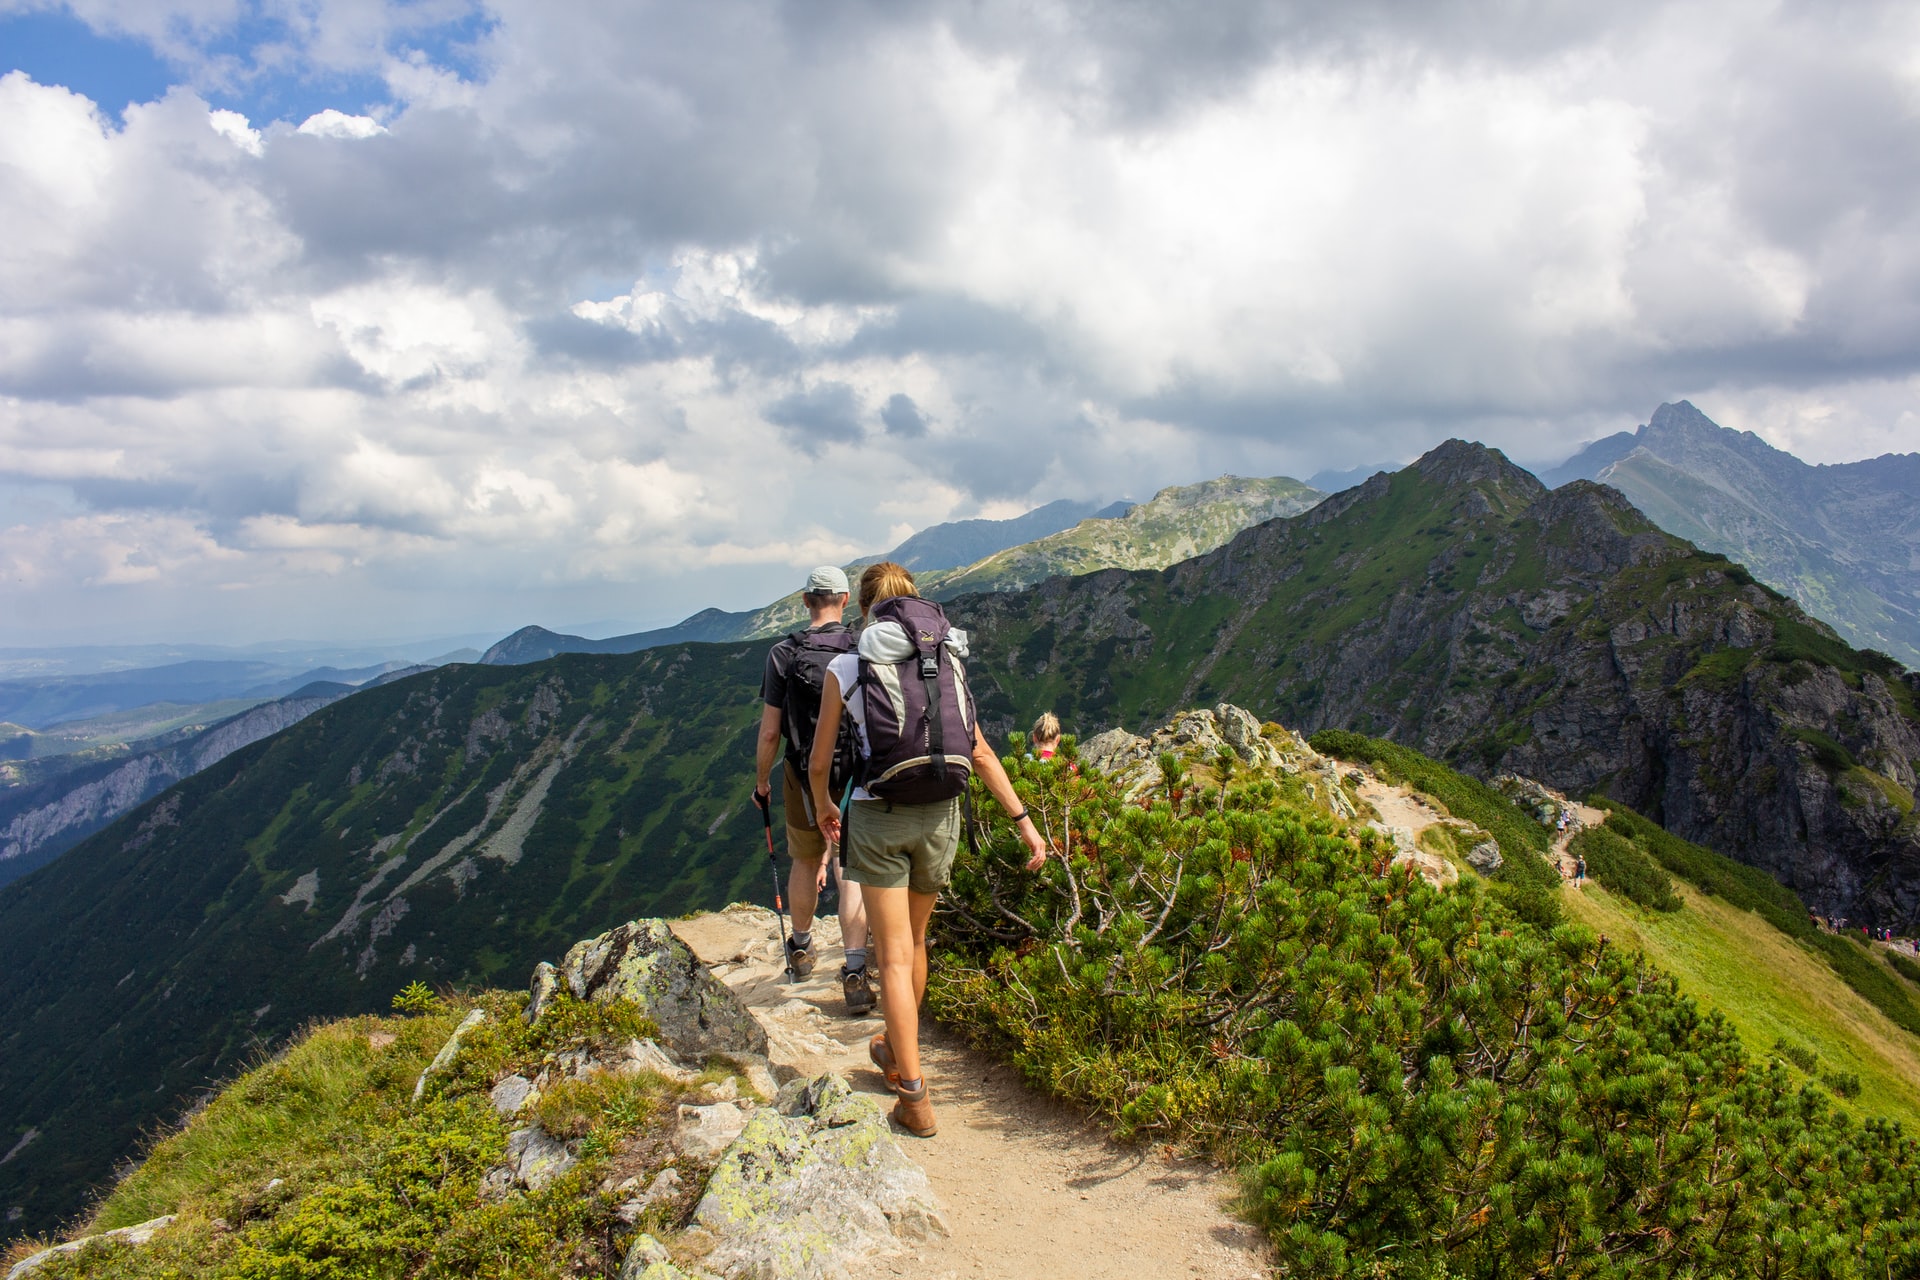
x: 929, y: 666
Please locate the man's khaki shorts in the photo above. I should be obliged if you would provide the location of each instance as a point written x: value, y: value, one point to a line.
x: 910, y: 847
x: 804, y: 841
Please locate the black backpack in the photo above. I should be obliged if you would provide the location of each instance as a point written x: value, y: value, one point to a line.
x: 806, y: 678
x: 919, y: 711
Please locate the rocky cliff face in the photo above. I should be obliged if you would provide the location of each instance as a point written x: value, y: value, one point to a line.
x: 1462, y: 608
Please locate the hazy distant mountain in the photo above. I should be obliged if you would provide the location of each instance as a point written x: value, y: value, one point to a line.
x: 1842, y: 540
x: 1335, y: 481
x: 961, y: 542
x: 47, y: 806
x: 1178, y: 522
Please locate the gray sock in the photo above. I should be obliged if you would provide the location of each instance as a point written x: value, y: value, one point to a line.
x: 802, y: 939
x: 856, y: 958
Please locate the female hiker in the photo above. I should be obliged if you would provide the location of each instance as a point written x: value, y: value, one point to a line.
x: 1044, y: 741
x: 918, y: 742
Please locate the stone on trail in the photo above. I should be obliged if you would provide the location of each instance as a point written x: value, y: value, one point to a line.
x: 698, y: 1016
x: 812, y: 1185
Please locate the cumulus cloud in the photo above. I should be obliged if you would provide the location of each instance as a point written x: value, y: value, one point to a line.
x: 624, y: 309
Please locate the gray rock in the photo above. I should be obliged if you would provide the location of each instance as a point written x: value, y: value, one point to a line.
x: 537, y: 1157
x: 644, y: 1055
x: 698, y: 1016
x: 134, y: 1235
x: 813, y: 1184
x: 511, y: 1094
x: 665, y: 1185
x: 1485, y: 857
x: 704, y: 1132
x: 448, y: 1051
x: 540, y: 992
x: 648, y: 1259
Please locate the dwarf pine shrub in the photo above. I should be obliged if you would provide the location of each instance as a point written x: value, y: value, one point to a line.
x: 1414, y: 1082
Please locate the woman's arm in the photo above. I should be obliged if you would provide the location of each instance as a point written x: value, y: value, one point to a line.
x: 820, y: 764
x: 987, y: 765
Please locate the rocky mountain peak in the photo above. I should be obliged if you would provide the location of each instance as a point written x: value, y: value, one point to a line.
x: 1466, y: 462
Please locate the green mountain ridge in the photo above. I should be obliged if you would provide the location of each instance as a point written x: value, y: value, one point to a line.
x: 1460, y: 607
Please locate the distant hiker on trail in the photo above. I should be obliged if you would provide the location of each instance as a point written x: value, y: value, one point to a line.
x: 796, y: 672
x: 1579, y: 870
x: 905, y: 692
x: 1044, y: 741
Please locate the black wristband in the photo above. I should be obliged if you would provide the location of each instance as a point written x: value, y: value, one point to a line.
x: 1016, y: 817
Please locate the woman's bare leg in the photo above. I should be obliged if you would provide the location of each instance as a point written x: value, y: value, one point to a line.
x: 898, y: 922
x: 853, y: 915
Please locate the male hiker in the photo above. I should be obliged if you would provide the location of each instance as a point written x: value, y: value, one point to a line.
x: 796, y: 668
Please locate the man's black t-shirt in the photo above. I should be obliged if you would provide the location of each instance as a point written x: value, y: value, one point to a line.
x: 773, y: 685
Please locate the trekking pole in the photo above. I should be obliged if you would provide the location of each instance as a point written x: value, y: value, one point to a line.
x: 779, y: 904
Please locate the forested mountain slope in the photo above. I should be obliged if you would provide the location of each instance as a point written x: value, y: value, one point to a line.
x: 458, y: 825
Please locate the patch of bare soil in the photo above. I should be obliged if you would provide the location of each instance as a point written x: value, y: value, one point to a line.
x: 1032, y: 1187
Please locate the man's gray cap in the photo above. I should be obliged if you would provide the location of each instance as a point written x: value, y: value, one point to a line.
x: 827, y: 580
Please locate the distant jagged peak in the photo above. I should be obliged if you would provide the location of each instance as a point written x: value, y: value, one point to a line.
x: 1680, y: 423
x: 1459, y: 463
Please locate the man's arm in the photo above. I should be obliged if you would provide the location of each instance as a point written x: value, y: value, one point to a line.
x: 767, y: 750
x: 987, y: 765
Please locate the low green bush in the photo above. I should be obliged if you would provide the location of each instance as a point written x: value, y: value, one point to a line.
x: 1413, y: 1081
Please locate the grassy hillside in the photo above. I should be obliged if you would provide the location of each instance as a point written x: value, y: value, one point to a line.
x: 452, y: 827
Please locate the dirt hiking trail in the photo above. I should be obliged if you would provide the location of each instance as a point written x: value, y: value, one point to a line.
x: 1032, y: 1188
x: 1398, y: 806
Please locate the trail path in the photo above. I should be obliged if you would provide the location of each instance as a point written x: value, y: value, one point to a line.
x: 1399, y: 807
x: 1032, y: 1188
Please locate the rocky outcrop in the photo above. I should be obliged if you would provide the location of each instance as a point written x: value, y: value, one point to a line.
x: 642, y: 961
x: 134, y: 1235
x: 811, y: 1185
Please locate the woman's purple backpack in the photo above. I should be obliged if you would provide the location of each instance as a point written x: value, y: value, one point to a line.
x: 919, y: 712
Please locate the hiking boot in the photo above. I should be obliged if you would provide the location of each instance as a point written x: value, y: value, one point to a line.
x: 799, y: 959
x: 914, y: 1112
x: 882, y: 1054
x: 858, y: 986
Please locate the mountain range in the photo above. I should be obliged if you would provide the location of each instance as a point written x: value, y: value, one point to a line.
x: 1177, y: 522
x: 1843, y: 540
x: 458, y: 824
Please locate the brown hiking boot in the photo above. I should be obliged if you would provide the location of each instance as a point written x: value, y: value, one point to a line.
x: 799, y: 959
x: 857, y: 984
x: 914, y: 1112
x: 882, y: 1054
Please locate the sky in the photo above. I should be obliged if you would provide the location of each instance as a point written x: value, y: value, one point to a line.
x: 351, y: 318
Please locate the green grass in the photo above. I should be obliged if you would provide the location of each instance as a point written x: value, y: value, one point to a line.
x: 1769, y: 986
x: 320, y: 1165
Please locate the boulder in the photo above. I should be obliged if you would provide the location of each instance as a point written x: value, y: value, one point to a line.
x: 1485, y: 857
x: 537, y: 1157
x: 134, y: 1235
x: 697, y: 1015
x: 448, y: 1051
x: 813, y: 1184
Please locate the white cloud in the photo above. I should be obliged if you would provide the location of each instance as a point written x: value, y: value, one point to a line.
x: 604, y: 320
x: 338, y: 124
